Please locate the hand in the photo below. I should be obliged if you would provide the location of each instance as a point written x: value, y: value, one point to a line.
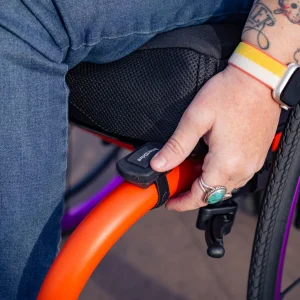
x: 237, y: 117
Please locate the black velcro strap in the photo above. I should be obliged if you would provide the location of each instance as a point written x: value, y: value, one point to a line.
x: 163, y: 190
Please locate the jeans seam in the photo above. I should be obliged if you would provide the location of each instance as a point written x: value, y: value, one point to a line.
x: 149, y: 33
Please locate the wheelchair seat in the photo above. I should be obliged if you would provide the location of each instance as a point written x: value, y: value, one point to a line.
x: 142, y: 96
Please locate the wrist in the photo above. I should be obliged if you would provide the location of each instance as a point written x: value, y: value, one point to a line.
x: 260, y: 92
x: 248, y: 82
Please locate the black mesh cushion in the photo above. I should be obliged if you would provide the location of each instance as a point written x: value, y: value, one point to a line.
x: 141, y: 97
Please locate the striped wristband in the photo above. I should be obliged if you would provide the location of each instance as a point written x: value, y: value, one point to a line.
x: 258, y: 65
x: 283, y: 80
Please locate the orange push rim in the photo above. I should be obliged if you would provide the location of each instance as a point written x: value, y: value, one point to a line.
x: 100, y: 230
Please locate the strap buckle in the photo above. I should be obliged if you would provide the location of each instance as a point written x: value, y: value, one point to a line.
x: 135, y: 168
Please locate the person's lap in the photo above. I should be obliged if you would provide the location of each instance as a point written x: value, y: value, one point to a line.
x: 39, y: 42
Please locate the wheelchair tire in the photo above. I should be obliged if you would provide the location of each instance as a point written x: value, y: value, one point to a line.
x: 275, y: 216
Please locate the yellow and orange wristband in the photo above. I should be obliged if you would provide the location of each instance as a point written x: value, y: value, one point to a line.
x: 265, y: 69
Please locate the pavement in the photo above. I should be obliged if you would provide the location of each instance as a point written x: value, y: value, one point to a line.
x: 163, y: 256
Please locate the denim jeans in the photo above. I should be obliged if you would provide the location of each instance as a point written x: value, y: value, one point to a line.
x: 39, y: 41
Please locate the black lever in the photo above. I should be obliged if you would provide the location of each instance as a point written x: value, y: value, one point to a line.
x: 217, y: 221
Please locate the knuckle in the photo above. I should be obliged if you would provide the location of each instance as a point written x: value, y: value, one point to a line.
x: 226, y: 173
x: 191, y: 118
x: 232, y: 167
x: 236, y: 162
x: 238, y: 167
x: 174, y: 146
x: 196, y: 123
x: 250, y: 170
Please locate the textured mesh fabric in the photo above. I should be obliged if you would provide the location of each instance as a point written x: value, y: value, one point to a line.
x: 140, y: 97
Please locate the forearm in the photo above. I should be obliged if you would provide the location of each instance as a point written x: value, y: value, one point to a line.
x: 274, y: 27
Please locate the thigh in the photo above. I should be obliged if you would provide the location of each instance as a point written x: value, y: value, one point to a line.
x: 108, y: 30
x: 33, y: 143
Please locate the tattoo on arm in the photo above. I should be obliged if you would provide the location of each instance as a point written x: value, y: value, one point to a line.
x: 297, y: 56
x: 259, y: 18
x: 290, y: 9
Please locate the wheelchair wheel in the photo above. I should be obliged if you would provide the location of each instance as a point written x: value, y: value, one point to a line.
x: 275, y: 219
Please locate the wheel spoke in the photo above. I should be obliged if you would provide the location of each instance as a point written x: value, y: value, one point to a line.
x: 289, y: 288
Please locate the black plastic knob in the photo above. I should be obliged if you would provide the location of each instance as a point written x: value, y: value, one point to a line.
x: 216, y: 251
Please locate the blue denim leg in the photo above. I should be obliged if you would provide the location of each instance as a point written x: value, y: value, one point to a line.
x: 33, y: 144
x: 109, y: 30
x: 39, y: 41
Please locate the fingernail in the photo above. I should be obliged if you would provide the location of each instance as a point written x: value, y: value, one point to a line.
x: 158, y: 161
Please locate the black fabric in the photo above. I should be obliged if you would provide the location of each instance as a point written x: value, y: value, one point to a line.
x: 217, y: 41
x: 142, y: 97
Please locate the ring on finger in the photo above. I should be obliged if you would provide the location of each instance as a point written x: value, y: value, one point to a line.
x: 212, y: 195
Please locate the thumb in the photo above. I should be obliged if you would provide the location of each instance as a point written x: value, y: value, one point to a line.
x: 186, y: 136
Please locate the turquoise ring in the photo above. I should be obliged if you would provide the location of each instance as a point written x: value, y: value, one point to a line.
x: 212, y: 194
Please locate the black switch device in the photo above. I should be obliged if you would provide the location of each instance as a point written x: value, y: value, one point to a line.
x: 135, y: 167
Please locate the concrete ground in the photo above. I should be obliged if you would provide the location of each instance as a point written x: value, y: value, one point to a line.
x: 163, y: 256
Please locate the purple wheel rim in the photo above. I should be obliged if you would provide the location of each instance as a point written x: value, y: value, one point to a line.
x: 75, y: 215
x: 285, y: 241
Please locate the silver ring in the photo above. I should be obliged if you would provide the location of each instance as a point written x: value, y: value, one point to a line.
x: 212, y: 195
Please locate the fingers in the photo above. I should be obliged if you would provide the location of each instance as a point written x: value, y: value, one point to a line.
x: 213, y: 175
x: 195, y: 197
x: 193, y: 125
